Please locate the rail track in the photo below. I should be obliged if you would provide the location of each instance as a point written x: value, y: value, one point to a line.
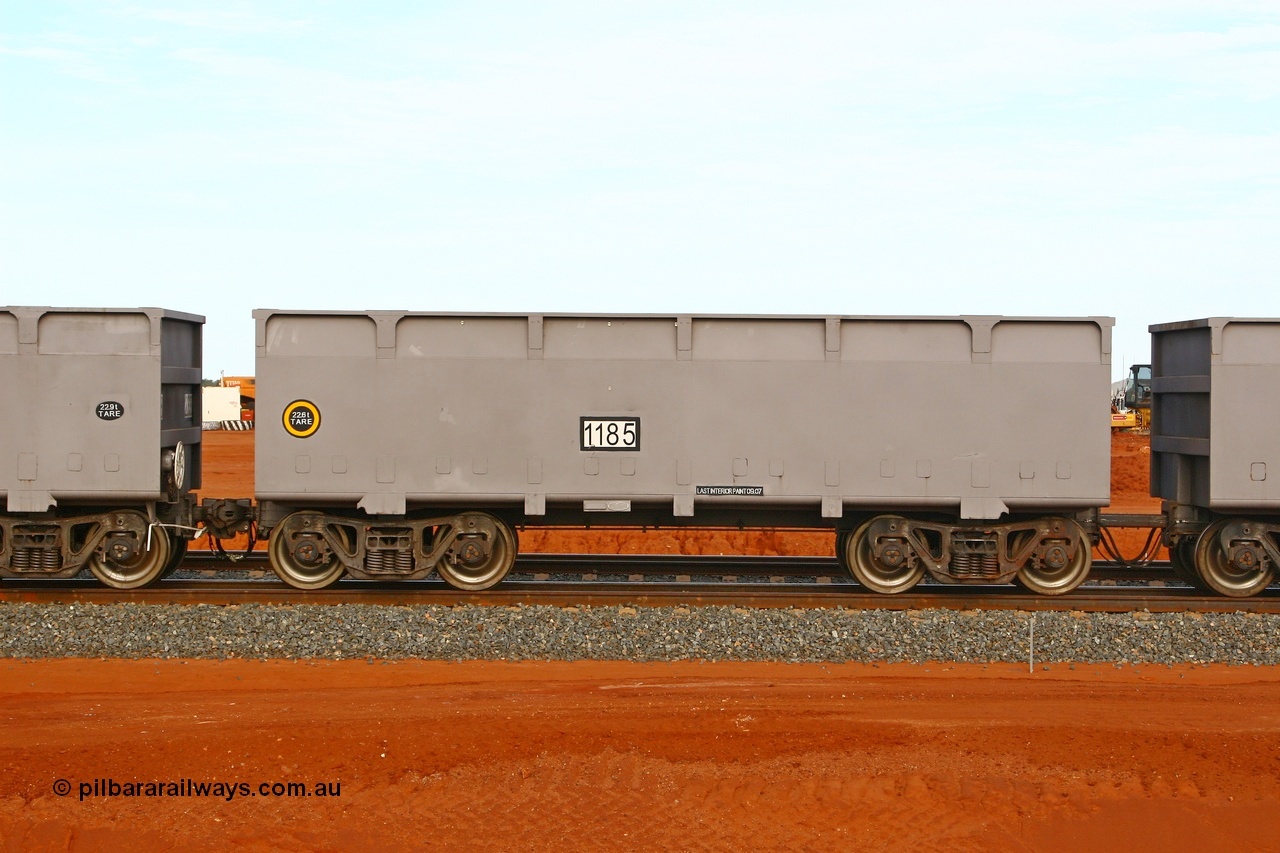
x: 643, y: 580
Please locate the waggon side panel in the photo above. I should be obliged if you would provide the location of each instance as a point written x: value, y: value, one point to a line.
x: 969, y: 414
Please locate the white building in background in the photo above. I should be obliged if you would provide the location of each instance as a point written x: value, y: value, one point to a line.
x: 218, y: 405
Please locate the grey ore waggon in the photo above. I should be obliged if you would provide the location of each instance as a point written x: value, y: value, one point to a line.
x: 1214, y: 444
x: 99, y: 441
x: 393, y: 444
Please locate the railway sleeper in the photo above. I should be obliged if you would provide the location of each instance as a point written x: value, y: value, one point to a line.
x: 891, y: 553
x: 469, y: 550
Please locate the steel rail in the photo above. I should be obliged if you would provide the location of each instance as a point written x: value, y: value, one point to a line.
x: 690, y: 565
x: 1111, y: 599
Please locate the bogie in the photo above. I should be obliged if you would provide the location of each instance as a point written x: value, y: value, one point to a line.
x: 891, y: 554
x: 310, y: 549
x: 1236, y: 558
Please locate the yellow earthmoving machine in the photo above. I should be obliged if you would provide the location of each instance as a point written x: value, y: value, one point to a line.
x: 1131, y: 408
x: 1123, y: 419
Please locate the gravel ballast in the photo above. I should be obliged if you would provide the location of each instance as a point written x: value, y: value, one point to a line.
x: 631, y: 633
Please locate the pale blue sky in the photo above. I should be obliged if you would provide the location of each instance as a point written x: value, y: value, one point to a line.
x: 1117, y: 158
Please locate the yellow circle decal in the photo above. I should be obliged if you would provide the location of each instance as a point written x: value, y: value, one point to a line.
x: 301, y: 418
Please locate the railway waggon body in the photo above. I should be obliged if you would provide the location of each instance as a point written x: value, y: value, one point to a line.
x: 99, y: 440
x: 394, y: 444
x: 391, y: 445
x: 1215, y: 448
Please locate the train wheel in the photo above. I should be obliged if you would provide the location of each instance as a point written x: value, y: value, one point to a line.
x: 1223, y: 576
x: 1048, y: 576
x: 300, y: 555
x: 1182, y: 558
x: 483, y: 552
x: 859, y: 558
x: 177, y: 552
x: 130, y: 558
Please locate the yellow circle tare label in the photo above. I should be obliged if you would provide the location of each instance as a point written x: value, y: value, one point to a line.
x: 301, y: 418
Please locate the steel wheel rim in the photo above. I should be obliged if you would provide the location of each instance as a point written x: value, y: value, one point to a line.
x: 1218, y: 573
x: 862, y: 565
x: 1182, y: 558
x: 177, y: 553
x: 502, y: 557
x: 1063, y: 580
x: 290, y: 570
x: 145, y: 568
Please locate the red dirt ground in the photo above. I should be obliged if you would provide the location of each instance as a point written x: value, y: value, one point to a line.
x: 601, y: 756
x: 604, y: 756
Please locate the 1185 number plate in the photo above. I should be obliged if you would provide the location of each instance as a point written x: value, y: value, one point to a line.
x: 610, y: 433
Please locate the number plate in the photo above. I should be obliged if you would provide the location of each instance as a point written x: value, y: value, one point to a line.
x: 609, y: 433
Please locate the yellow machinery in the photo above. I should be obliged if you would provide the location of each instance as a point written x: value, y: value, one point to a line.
x: 1132, y: 407
x: 248, y: 393
x: 1123, y: 420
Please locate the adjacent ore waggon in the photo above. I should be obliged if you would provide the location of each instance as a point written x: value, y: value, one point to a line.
x: 1215, y: 410
x: 99, y: 441
x: 395, y: 444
